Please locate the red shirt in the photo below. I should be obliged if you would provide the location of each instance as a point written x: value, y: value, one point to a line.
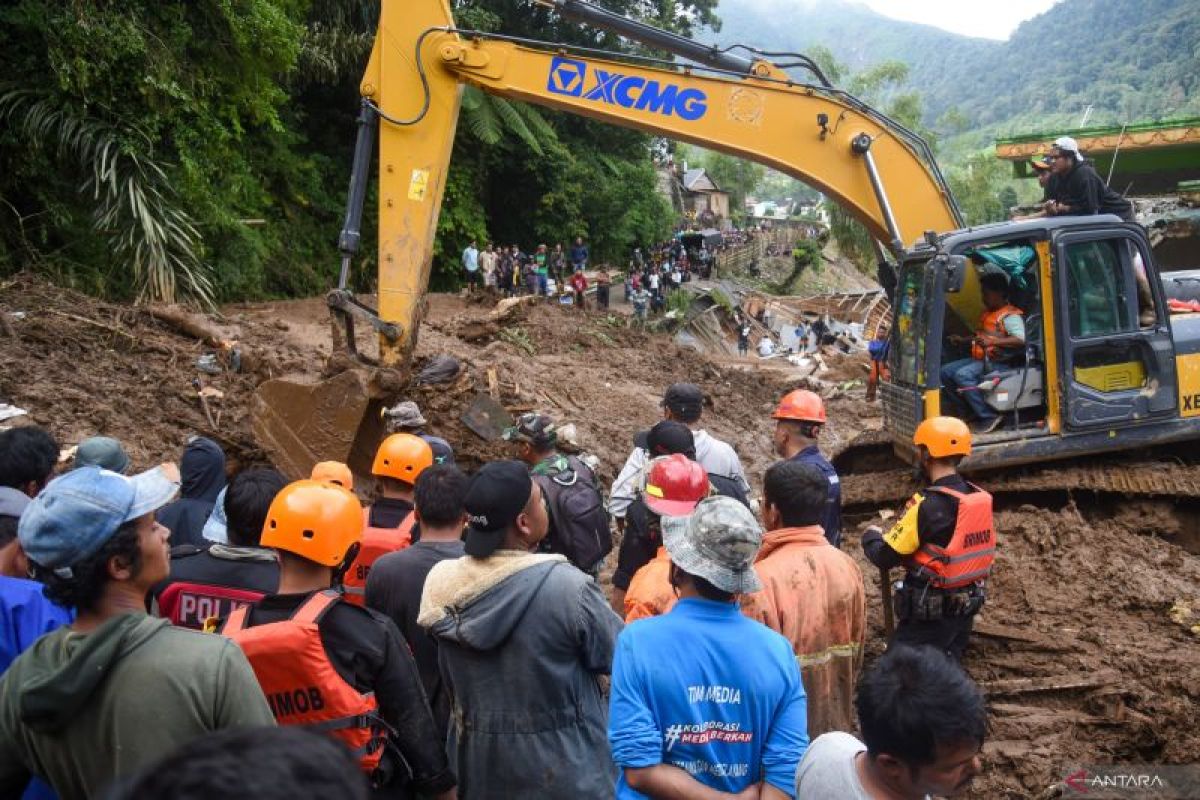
x: 579, y: 282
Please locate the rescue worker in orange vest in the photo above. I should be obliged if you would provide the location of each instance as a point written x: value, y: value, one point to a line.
x: 946, y: 542
x: 674, y: 485
x: 328, y: 665
x: 389, y: 523
x: 1000, y: 340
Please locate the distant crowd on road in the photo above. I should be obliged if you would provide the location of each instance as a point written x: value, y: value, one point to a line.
x: 567, y: 275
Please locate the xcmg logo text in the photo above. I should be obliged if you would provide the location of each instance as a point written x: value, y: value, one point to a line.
x: 569, y: 77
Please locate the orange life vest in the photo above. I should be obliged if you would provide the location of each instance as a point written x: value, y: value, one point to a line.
x: 375, y: 542
x: 968, y: 557
x: 301, y: 685
x: 993, y: 322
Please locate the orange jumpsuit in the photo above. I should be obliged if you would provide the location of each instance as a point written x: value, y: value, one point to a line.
x: 813, y: 595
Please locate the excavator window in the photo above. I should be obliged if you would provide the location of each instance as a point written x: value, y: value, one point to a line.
x: 1099, y: 296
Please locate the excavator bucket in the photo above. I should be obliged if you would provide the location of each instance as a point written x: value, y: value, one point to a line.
x: 300, y: 423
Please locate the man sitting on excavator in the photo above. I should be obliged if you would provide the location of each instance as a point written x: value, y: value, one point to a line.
x: 999, y: 340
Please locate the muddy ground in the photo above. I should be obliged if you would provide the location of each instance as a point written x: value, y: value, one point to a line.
x: 1087, y: 650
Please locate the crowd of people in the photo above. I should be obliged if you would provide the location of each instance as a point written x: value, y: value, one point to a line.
x: 178, y: 633
x: 557, y: 273
x: 564, y: 273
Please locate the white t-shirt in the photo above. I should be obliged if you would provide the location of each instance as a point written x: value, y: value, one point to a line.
x: 653, y: 281
x: 717, y: 458
x: 828, y: 770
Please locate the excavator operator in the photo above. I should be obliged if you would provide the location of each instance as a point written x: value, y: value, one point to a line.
x: 1000, y: 339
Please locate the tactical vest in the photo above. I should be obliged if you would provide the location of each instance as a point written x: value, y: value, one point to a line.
x: 192, y: 605
x: 968, y: 557
x: 993, y: 322
x: 375, y: 542
x: 302, y: 686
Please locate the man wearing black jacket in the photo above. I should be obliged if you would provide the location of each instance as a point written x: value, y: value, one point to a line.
x: 1079, y: 189
x: 354, y: 678
x: 639, y: 545
x: 209, y: 581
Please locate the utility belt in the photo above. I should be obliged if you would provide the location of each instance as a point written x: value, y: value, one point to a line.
x: 922, y: 603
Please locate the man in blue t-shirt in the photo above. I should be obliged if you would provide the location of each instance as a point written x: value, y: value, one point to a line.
x: 25, y: 613
x: 704, y: 697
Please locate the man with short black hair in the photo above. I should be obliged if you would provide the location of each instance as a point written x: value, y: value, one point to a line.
x: 117, y: 689
x: 210, y: 581
x: 705, y: 702
x: 396, y: 581
x: 522, y: 640
x: 579, y: 524
x: 27, y: 458
x: 812, y: 593
x: 682, y: 402
x: 923, y: 724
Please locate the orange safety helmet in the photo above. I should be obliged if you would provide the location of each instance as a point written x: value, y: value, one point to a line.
x: 315, y: 520
x: 674, y: 485
x: 402, y: 456
x: 334, y: 472
x: 801, y: 405
x: 944, y: 437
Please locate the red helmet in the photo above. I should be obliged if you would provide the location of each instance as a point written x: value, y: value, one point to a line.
x: 674, y: 485
x: 801, y: 405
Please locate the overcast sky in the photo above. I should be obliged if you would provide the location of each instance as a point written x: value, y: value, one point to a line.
x: 993, y: 19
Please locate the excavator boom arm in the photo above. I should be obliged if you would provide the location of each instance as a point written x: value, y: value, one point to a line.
x: 412, y: 89
x: 820, y: 136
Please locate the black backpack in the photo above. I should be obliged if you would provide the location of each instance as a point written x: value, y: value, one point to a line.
x: 579, y: 525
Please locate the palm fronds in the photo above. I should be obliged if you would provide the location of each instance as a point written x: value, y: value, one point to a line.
x: 490, y: 119
x: 133, y: 206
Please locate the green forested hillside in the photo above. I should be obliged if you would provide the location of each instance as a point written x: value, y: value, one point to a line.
x: 1129, y: 59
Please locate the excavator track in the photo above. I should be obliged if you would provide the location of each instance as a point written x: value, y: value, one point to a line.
x: 870, y: 491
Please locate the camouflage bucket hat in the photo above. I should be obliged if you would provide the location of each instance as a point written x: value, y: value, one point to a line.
x: 537, y: 429
x: 718, y: 542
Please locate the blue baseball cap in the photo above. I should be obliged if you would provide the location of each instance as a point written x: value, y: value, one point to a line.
x: 79, y: 511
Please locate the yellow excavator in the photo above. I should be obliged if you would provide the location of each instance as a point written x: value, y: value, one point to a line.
x: 1092, y: 379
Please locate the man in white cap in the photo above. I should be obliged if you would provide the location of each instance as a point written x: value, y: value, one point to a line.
x: 705, y: 699
x: 1079, y: 188
x: 1080, y: 191
x: 117, y: 689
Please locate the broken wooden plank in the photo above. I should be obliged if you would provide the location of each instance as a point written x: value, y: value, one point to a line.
x: 1052, y: 683
x: 993, y: 630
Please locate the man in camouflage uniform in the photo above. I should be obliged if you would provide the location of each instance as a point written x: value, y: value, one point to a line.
x: 579, y: 525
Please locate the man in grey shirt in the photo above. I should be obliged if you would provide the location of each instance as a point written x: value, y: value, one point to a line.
x: 924, y: 722
x: 683, y: 402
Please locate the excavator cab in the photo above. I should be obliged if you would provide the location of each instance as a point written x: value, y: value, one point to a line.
x: 1099, y: 363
